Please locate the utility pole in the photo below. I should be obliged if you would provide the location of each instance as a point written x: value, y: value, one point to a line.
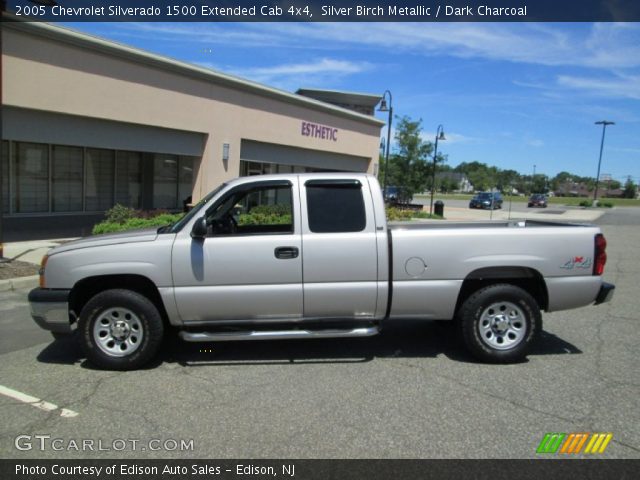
x: 604, y: 124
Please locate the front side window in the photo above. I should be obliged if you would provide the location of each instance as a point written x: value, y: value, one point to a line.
x: 335, y: 206
x: 253, y: 211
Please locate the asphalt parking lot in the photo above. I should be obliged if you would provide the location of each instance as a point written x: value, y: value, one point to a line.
x: 411, y: 392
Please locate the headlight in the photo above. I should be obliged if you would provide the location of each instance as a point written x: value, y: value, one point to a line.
x: 43, y: 265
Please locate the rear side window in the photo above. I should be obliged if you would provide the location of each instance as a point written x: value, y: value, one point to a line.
x: 335, y: 206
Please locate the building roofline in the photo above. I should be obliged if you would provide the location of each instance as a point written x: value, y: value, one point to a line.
x: 372, y: 99
x: 110, y: 47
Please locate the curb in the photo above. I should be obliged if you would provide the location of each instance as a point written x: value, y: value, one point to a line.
x: 19, y: 283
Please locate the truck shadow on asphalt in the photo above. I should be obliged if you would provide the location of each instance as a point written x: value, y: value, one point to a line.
x: 402, y: 339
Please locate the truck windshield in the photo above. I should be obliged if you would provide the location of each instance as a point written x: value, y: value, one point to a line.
x: 176, y: 227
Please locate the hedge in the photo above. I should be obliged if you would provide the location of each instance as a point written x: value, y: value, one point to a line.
x: 121, y: 218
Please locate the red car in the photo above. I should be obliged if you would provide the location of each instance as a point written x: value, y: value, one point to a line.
x: 537, y: 200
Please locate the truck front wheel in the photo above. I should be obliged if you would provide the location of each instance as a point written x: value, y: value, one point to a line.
x: 120, y: 329
x: 499, y: 323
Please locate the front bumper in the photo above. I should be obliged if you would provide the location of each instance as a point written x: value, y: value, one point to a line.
x: 50, y: 309
x: 605, y: 294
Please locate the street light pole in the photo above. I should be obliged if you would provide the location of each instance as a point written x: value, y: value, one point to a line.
x: 439, y: 136
x: 385, y: 108
x: 604, y: 124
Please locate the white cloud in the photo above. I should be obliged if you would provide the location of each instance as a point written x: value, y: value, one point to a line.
x: 626, y: 86
x: 603, y: 46
x: 450, y: 138
x: 309, y: 74
x: 606, y: 45
x: 610, y: 48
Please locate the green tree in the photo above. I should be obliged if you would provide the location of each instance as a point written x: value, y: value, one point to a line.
x: 613, y: 185
x: 630, y: 189
x: 539, y: 184
x: 447, y: 184
x: 409, y: 167
x: 481, y: 176
x: 507, y: 180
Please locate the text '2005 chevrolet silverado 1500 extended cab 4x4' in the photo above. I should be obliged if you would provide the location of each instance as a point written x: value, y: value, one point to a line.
x: 312, y: 256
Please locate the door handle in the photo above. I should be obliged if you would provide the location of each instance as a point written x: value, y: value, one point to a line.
x: 286, y: 252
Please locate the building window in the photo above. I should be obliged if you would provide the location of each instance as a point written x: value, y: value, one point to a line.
x: 66, y: 179
x: 129, y: 179
x: 99, y: 166
x: 43, y: 178
x: 5, y: 176
x: 165, y: 179
x: 31, y: 178
x: 248, y: 168
x: 185, y: 179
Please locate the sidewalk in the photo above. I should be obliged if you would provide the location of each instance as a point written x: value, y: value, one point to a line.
x: 562, y: 214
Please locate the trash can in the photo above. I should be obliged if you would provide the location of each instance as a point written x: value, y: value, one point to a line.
x: 438, y: 208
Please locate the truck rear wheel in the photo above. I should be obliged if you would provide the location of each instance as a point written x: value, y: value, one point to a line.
x: 499, y: 323
x: 120, y: 329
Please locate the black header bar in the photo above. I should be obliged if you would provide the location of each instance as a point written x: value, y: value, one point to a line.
x: 316, y: 469
x: 325, y: 10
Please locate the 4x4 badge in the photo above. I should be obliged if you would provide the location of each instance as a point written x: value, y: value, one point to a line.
x: 578, y: 262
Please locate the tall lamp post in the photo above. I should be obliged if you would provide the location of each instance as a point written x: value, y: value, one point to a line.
x: 386, y: 108
x: 604, y: 124
x: 439, y: 136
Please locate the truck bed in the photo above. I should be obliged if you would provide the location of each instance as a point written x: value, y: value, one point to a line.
x: 431, y: 260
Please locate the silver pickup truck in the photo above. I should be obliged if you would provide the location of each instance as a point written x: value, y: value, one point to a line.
x: 312, y: 256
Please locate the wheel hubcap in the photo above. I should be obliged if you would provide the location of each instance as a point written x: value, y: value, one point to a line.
x: 502, y: 325
x: 118, y: 332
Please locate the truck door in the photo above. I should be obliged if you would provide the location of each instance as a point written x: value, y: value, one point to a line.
x: 340, y: 257
x: 249, y: 266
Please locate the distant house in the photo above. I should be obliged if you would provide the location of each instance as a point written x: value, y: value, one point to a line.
x: 462, y: 182
x: 573, y: 189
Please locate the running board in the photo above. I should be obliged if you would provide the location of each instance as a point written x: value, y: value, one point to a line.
x: 276, y: 334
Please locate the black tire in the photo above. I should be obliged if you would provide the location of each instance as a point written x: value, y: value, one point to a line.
x: 499, y: 323
x: 129, y: 332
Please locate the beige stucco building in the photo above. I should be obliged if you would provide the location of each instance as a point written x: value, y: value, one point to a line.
x: 87, y: 123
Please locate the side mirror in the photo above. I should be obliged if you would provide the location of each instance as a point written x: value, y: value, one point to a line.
x: 199, y: 229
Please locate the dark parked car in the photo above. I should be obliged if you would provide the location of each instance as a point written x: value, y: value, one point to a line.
x: 489, y: 200
x: 537, y: 200
x: 396, y: 195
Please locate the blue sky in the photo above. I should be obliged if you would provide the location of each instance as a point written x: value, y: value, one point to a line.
x: 512, y: 95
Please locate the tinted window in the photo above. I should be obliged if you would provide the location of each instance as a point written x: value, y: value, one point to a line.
x: 335, y: 207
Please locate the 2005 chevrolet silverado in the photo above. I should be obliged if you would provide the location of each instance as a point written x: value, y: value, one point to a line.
x: 312, y: 256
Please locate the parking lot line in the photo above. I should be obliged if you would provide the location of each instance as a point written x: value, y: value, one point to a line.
x: 35, y: 402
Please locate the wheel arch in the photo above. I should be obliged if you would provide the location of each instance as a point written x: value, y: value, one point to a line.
x: 88, y: 287
x: 526, y: 278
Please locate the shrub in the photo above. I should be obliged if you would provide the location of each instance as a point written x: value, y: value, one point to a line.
x: 134, y: 223
x: 586, y: 203
x: 267, y: 215
x: 395, y: 214
x: 119, y: 214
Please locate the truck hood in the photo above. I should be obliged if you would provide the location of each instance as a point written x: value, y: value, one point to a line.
x: 132, y: 236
